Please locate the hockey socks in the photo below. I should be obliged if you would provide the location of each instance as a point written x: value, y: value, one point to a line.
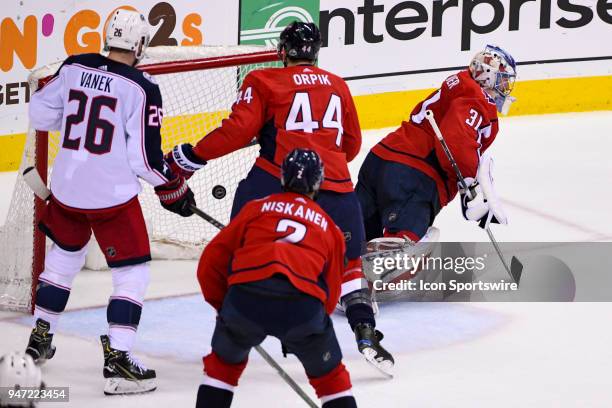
x: 334, y: 388
x: 51, y: 300
x: 341, y: 402
x: 123, y: 316
x: 220, y: 379
x: 55, y: 282
x: 125, y: 304
x: 213, y: 397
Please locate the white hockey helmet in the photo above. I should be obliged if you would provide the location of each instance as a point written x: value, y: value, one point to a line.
x: 18, y: 371
x: 127, y: 30
x: 495, y: 70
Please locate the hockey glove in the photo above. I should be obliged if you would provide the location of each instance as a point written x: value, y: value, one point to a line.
x: 368, y: 342
x: 176, y: 196
x: 482, y: 204
x: 183, y: 161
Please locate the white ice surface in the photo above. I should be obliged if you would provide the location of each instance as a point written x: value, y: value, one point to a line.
x: 553, y: 173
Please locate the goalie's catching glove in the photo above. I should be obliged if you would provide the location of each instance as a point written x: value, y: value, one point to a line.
x: 176, y: 196
x: 183, y: 161
x: 481, y: 203
x: 368, y: 342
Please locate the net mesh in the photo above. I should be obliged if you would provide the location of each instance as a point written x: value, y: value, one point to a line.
x: 195, y: 102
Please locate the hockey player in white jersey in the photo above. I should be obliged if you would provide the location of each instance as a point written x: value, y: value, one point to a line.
x: 109, y: 114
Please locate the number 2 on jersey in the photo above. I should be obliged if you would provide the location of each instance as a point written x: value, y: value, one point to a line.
x: 300, y: 115
x: 298, y: 233
x: 94, y: 123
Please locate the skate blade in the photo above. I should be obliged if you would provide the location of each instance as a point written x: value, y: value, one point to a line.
x: 121, y: 386
x: 385, y: 367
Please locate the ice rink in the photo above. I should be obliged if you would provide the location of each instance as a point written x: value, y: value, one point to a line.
x: 553, y: 173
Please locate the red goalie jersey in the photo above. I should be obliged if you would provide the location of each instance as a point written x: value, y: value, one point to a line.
x: 301, y: 106
x: 467, y: 117
x: 285, y: 233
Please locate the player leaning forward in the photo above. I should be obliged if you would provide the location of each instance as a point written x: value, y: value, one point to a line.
x: 406, y: 178
x: 276, y: 269
x: 303, y: 106
x: 109, y: 114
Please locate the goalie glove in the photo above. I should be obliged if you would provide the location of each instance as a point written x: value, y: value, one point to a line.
x: 368, y: 342
x: 183, y: 161
x: 481, y: 204
x: 176, y: 196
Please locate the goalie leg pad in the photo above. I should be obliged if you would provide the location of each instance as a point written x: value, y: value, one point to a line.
x: 397, y: 248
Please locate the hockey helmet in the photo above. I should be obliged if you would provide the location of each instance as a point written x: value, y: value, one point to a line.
x: 300, y: 40
x: 495, y: 70
x: 302, y: 171
x: 18, y: 371
x: 127, y: 30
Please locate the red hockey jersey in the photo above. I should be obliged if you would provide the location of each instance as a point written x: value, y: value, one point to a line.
x: 285, y: 108
x: 284, y: 233
x: 467, y: 118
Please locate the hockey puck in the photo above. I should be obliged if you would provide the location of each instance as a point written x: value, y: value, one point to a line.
x: 219, y: 192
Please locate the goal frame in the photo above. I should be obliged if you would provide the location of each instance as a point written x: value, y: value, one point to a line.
x: 41, y: 145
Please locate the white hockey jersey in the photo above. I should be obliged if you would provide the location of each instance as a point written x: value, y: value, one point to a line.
x: 109, y: 115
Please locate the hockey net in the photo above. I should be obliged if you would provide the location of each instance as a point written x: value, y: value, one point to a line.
x: 198, y: 86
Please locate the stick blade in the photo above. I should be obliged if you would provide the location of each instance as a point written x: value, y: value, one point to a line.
x: 36, y: 184
x: 516, y: 269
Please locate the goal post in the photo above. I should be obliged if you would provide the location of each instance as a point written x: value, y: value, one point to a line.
x: 198, y: 87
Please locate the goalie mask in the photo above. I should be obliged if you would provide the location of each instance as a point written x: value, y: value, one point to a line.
x: 495, y: 70
x: 127, y: 30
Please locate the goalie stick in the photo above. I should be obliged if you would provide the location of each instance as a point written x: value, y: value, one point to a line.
x: 516, y: 267
x: 36, y: 184
x: 262, y: 352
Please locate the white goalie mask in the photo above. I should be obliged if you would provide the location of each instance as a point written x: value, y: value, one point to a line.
x: 127, y: 30
x: 495, y: 70
x: 18, y: 371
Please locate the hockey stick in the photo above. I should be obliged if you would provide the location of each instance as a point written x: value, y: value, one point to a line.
x: 36, y: 184
x: 262, y: 352
x: 516, y: 267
